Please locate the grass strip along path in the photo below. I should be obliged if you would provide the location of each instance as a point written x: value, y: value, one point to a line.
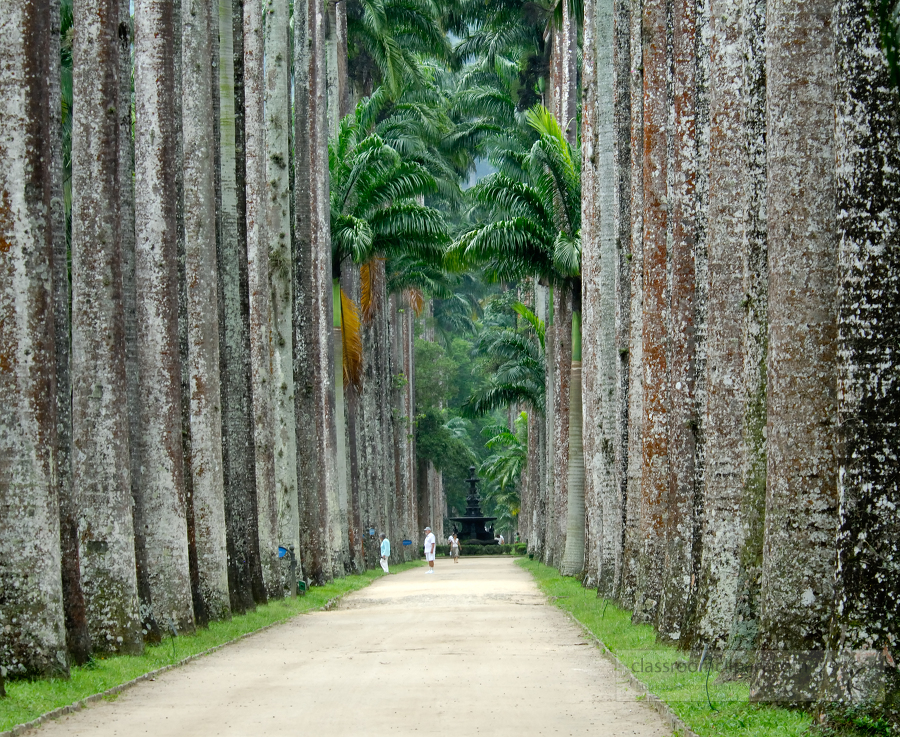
x: 27, y: 700
x: 665, y: 670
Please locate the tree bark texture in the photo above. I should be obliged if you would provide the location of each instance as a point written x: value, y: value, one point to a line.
x: 238, y: 453
x: 801, y: 494
x: 313, y: 311
x: 559, y: 354
x: 631, y: 543
x: 610, y: 585
x: 159, y: 466
x: 599, y: 219
x: 867, y: 161
x: 655, y: 430
x: 733, y: 222
x: 338, y: 83
x: 258, y: 271
x: 207, y: 502
x: 375, y: 431
x: 78, y: 639
x: 32, y: 624
x: 278, y: 232
x: 682, y: 419
x: 101, y: 474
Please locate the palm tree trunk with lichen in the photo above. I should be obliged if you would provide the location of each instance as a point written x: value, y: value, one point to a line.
x: 32, y: 629
x: 864, y: 627
x: 313, y: 309
x: 244, y: 569
x: 655, y: 426
x: 676, y: 594
x: 101, y: 476
x: 801, y: 521
x: 278, y: 230
x: 260, y: 313
x: 205, y: 467
x: 78, y: 638
x: 627, y: 587
x: 159, y: 463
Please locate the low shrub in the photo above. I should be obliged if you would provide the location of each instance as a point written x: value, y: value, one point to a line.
x: 470, y: 550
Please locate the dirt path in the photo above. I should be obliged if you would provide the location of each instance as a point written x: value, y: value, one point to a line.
x: 473, y: 649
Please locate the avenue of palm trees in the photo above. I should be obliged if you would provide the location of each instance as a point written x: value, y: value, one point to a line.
x: 228, y: 230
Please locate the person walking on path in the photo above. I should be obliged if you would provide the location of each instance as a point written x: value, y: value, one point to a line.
x: 430, y: 545
x: 385, y: 552
x: 454, y: 547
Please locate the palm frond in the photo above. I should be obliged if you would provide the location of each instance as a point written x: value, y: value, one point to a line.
x: 351, y: 339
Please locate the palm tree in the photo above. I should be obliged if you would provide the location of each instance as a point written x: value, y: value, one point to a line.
x: 387, y: 38
x: 158, y: 462
x: 278, y: 228
x: 801, y: 522
x: 534, y: 230
x: 376, y: 214
x: 29, y: 179
x: 204, y: 464
x: 517, y: 367
x: 101, y: 475
x: 239, y: 461
x: 260, y: 311
x: 312, y: 294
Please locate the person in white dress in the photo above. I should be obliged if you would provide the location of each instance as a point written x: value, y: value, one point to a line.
x: 454, y: 547
x: 430, y: 545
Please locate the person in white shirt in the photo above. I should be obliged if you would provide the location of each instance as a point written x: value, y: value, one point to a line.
x: 501, y: 539
x: 430, y: 545
x: 454, y: 547
x: 385, y: 552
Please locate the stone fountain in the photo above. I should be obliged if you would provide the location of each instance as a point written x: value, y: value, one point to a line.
x: 474, y: 524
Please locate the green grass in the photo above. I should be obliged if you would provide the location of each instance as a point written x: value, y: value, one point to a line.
x: 27, y: 700
x: 637, y: 648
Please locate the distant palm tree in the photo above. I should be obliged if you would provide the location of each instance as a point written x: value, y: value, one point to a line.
x: 517, y: 358
x: 386, y: 40
x: 533, y: 229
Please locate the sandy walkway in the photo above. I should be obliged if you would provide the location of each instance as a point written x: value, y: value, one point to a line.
x: 473, y: 649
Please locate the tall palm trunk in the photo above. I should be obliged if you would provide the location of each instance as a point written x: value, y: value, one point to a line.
x: 683, y: 421
x: 801, y: 494
x: 560, y: 355
x: 32, y: 631
x: 159, y: 485
x: 631, y: 543
x: 260, y: 299
x: 78, y: 638
x: 313, y: 308
x: 244, y: 569
x: 598, y: 237
x: 340, y: 504
x: 101, y: 474
x: 623, y: 158
x: 573, y: 555
x: 655, y: 425
x: 731, y: 224
x: 868, y: 162
x: 207, y: 503
x: 278, y: 230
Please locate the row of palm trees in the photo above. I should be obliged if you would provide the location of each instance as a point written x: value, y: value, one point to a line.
x: 173, y: 308
x: 730, y: 272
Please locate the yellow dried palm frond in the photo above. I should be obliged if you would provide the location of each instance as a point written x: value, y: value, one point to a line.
x: 371, y: 274
x: 351, y: 339
x: 416, y: 301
